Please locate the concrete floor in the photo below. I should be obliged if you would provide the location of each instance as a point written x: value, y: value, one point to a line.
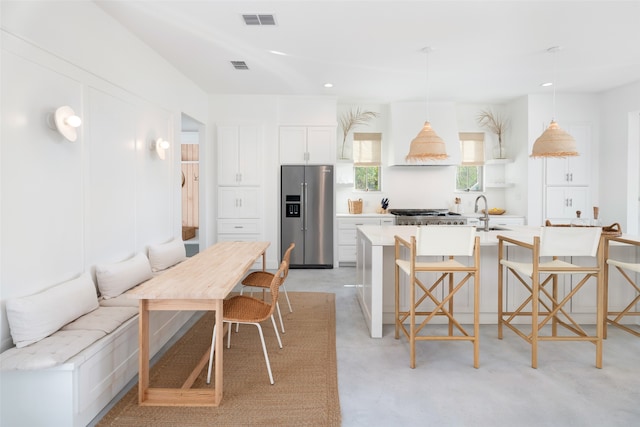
x: 377, y: 387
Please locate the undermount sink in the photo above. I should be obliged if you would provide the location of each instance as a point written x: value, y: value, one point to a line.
x: 481, y: 228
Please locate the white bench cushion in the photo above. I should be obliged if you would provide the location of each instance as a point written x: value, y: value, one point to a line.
x: 37, y: 316
x: 105, y: 319
x: 114, y: 279
x: 51, y: 351
x: 167, y: 254
x: 120, y: 301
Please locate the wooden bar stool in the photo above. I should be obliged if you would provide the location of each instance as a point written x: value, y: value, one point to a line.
x: 545, y: 301
x: 445, y: 243
x: 626, y: 268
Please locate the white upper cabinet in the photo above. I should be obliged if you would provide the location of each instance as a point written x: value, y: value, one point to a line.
x: 239, y: 155
x: 238, y: 202
x: 572, y: 171
x: 307, y: 144
x: 563, y: 202
x: 406, y: 121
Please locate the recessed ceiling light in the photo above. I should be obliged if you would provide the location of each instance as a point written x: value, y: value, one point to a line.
x: 328, y: 85
x: 276, y: 52
x: 547, y: 84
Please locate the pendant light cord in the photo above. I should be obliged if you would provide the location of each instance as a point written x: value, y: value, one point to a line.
x: 553, y: 50
x: 426, y: 54
x: 426, y: 51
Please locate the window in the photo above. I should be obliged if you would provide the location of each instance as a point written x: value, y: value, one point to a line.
x: 469, y: 173
x: 366, y: 161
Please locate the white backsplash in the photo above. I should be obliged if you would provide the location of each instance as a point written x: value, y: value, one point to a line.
x: 411, y: 187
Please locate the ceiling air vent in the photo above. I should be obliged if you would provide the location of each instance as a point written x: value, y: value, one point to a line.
x: 254, y: 19
x: 239, y: 65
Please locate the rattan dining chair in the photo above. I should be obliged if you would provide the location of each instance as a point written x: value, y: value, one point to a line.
x: 571, y: 252
x: 629, y: 269
x: 262, y: 279
x: 438, y: 279
x: 249, y: 310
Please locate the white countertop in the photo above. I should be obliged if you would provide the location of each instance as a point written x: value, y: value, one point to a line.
x: 377, y: 215
x: 383, y: 235
x: 364, y: 215
x: 479, y: 215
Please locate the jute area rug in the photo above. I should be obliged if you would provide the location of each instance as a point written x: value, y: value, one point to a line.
x: 305, y: 392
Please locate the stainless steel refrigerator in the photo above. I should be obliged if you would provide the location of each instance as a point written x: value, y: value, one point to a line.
x: 307, y: 215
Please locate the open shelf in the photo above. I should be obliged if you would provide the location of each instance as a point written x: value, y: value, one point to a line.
x: 498, y: 185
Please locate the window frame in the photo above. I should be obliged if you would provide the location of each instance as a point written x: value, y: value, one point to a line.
x: 472, y: 149
x: 368, y: 168
x: 367, y: 156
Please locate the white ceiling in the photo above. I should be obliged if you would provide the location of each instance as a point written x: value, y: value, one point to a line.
x: 481, y: 51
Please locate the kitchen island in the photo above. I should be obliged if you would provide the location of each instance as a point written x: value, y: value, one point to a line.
x: 375, y: 278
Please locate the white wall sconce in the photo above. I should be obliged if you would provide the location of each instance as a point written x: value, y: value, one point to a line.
x: 159, y: 146
x: 65, y: 121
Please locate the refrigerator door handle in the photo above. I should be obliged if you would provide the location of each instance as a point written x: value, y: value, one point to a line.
x: 304, y: 206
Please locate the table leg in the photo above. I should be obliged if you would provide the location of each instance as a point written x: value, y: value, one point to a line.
x: 219, y: 350
x: 143, y: 353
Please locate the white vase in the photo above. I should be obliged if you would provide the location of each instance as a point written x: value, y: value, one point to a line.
x: 499, y: 152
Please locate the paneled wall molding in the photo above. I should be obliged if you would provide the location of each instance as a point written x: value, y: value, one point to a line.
x: 101, y: 199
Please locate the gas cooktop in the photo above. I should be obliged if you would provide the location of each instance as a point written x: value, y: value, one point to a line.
x: 422, y: 212
x: 427, y: 217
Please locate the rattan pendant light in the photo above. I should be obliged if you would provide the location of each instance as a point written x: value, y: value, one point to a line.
x: 427, y: 145
x: 554, y: 141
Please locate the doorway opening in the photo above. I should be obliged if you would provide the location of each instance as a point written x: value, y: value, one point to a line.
x: 191, y: 190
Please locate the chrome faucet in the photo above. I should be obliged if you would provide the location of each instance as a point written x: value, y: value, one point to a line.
x: 485, y: 218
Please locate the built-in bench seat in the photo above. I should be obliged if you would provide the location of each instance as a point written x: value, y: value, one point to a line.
x: 75, y: 351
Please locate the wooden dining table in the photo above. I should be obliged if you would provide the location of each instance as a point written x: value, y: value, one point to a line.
x: 198, y: 283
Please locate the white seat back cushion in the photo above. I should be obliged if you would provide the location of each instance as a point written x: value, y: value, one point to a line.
x: 116, y: 278
x: 167, y: 254
x: 569, y: 241
x: 457, y: 240
x: 37, y: 316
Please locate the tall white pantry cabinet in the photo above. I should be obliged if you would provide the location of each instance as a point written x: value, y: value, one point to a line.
x: 239, y: 186
x: 567, y: 180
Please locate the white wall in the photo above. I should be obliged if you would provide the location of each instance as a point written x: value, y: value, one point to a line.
x: 619, y: 157
x: 67, y: 206
x: 516, y: 197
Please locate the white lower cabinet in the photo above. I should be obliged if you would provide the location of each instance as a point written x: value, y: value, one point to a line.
x: 241, y: 230
x: 347, y: 235
x: 499, y: 220
x: 239, y: 217
x: 247, y: 228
